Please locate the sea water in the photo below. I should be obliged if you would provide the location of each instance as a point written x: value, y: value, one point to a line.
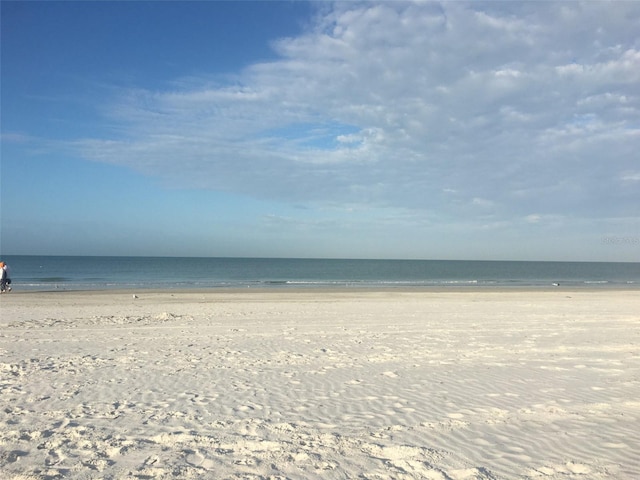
x: 99, y: 273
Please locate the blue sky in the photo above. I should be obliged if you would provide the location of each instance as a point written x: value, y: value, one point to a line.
x: 480, y: 130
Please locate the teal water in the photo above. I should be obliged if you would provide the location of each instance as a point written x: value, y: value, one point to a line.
x: 99, y: 273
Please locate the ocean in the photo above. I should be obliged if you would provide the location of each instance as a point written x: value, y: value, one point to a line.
x: 44, y: 273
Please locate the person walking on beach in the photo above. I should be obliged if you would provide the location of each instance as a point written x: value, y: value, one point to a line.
x: 5, y: 281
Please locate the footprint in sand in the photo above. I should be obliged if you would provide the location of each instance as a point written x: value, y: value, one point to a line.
x: 53, y: 458
x: 578, y: 468
x: 195, y: 459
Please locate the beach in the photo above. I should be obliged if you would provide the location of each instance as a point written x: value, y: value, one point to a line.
x: 319, y: 383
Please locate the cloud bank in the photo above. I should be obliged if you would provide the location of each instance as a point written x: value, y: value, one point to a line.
x: 501, y: 111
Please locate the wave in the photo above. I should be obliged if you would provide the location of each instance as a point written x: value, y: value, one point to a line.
x: 54, y: 280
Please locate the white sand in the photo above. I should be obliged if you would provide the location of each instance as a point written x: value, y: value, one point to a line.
x: 311, y: 384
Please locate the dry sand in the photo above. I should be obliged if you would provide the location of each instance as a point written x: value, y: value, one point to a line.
x: 317, y: 384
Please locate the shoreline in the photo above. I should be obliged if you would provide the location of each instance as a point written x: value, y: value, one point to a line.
x: 345, y: 289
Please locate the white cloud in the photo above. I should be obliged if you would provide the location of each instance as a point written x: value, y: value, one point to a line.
x: 631, y: 177
x: 517, y: 107
x: 16, y: 137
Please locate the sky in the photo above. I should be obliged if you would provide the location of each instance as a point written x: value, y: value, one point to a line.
x: 454, y: 130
